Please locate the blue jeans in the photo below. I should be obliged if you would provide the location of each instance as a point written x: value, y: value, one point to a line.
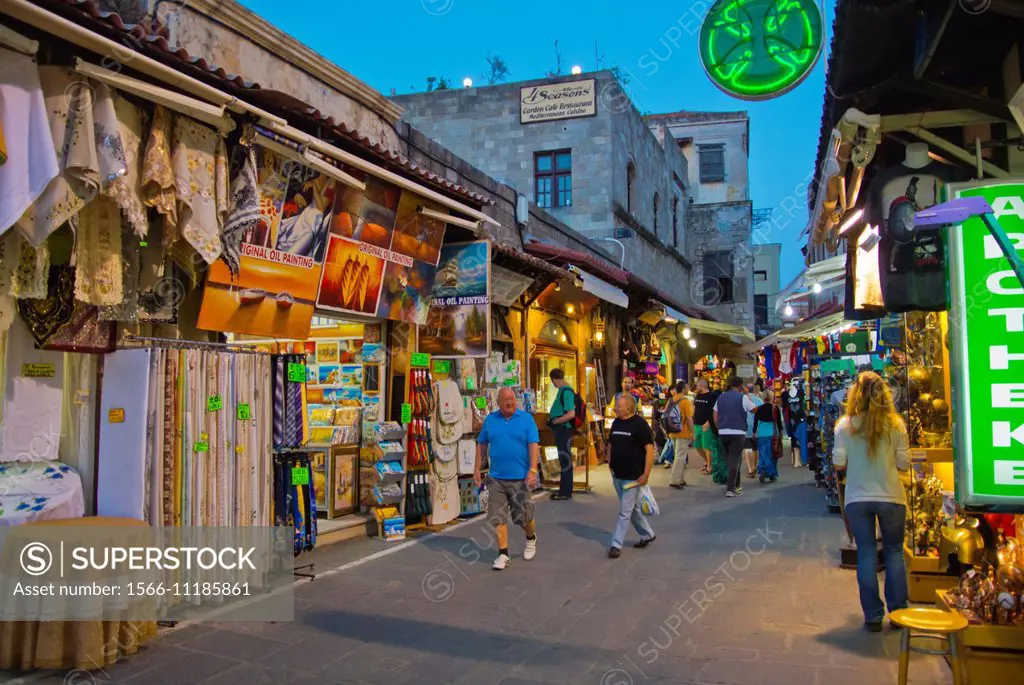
x: 766, y: 465
x: 629, y: 512
x: 891, y: 520
x: 667, y: 455
x: 563, y: 441
x: 800, y: 433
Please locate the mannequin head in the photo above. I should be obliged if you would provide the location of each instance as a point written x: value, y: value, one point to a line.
x: 917, y: 156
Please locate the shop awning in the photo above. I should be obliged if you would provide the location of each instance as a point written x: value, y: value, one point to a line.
x: 812, y: 327
x: 604, y: 290
x: 724, y: 330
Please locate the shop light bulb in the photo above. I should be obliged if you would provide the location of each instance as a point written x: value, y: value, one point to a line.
x: 693, y: 343
x: 577, y: 70
x: 558, y: 287
x: 467, y: 82
x: 788, y: 311
x: 599, y: 336
x: 570, y: 310
x: 848, y: 224
x: 687, y: 333
x: 816, y: 288
x: 564, y: 339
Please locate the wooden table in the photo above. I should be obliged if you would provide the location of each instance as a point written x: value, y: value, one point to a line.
x: 85, y: 645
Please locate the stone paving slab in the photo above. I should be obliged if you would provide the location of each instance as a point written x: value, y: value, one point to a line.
x: 732, y: 592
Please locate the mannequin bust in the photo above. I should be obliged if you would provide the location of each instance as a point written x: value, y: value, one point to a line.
x: 917, y: 156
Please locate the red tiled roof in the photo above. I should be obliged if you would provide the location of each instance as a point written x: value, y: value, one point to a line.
x: 154, y: 37
x: 584, y: 260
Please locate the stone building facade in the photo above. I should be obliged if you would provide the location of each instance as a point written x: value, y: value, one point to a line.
x: 716, y: 147
x: 626, y: 183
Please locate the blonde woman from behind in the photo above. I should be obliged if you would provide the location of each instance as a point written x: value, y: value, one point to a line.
x: 871, y: 447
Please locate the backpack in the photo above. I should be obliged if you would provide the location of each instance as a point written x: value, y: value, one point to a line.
x: 579, y: 407
x: 673, y: 419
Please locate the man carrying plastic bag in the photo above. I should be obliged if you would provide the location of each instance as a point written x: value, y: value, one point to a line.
x: 631, y: 457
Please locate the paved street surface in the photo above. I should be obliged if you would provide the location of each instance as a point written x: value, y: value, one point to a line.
x: 733, y: 591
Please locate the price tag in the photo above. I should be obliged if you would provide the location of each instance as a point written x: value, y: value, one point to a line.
x: 481, y: 403
x: 406, y: 413
x: 419, y: 360
x: 38, y: 370
x: 296, y: 372
x: 470, y: 383
x: 510, y: 382
x: 214, y: 403
x: 116, y: 415
x: 244, y: 412
x: 300, y: 475
x: 443, y: 366
x: 201, y: 446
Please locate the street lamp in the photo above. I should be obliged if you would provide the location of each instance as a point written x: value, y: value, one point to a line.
x: 577, y: 70
x: 816, y: 288
x: 693, y: 343
x: 788, y: 311
x: 467, y: 82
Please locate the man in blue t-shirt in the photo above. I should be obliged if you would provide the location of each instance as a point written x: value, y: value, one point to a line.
x: 509, y: 436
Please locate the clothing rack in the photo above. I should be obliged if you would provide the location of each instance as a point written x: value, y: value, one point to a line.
x: 175, y: 343
x: 13, y: 40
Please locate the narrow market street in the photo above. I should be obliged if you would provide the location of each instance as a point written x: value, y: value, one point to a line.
x: 733, y: 591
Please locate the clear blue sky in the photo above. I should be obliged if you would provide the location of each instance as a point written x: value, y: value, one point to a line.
x: 396, y: 44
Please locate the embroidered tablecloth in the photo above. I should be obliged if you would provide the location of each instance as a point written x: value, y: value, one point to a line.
x: 39, y: 491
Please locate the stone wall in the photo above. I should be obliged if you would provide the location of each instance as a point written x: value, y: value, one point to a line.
x: 724, y: 227
x: 481, y: 124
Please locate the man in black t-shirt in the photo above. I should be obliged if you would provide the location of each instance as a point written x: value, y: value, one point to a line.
x: 705, y: 437
x: 630, y: 458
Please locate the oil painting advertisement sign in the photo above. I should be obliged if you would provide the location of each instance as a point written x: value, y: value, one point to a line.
x: 986, y: 326
x: 382, y: 253
x: 273, y: 290
x: 459, y: 320
x: 555, y: 101
x: 320, y: 244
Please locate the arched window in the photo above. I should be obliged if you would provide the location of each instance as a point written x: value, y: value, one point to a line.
x: 630, y: 178
x: 657, y: 201
x: 554, y: 332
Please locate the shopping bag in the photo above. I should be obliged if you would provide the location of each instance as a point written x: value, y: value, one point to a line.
x: 648, y: 505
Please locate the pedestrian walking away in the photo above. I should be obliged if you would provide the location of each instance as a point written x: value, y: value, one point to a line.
x: 630, y: 458
x: 680, y: 424
x: 730, y: 415
x: 871, y: 448
x: 750, y: 444
x: 560, y: 419
x: 767, y: 428
x: 510, y: 439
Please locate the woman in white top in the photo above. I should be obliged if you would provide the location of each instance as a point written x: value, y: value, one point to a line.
x: 871, y: 447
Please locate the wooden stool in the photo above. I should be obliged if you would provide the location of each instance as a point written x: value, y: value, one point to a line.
x: 933, y: 624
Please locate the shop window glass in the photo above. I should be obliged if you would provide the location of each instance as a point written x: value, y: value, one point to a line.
x: 544, y: 364
x: 554, y: 332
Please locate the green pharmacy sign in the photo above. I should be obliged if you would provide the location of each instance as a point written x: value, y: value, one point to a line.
x: 760, y: 49
x: 986, y: 330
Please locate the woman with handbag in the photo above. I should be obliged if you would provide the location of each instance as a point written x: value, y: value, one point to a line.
x: 767, y: 429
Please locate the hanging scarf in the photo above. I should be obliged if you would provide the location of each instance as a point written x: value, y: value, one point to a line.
x: 158, y: 174
x: 98, y: 272
x: 126, y: 189
x: 243, y: 211
x: 199, y: 161
x: 71, y: 102
x: 29, y: 268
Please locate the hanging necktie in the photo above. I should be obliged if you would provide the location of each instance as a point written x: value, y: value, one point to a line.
x: 278, y: 401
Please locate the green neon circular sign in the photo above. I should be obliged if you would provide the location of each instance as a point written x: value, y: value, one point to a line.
x: 760, y: 49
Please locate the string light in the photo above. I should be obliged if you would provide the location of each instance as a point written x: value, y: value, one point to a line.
x: 693, y: 343
x: 687, y: 333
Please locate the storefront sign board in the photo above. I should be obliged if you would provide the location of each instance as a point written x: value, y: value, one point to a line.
x: 556, y: 101
x: 986, y: 331
x: 459, y: 319
x: 760, y: 49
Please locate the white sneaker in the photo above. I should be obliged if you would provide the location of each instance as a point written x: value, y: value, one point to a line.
x: 501, y: 562
x: 531, y: 549
x: 728, y: 493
